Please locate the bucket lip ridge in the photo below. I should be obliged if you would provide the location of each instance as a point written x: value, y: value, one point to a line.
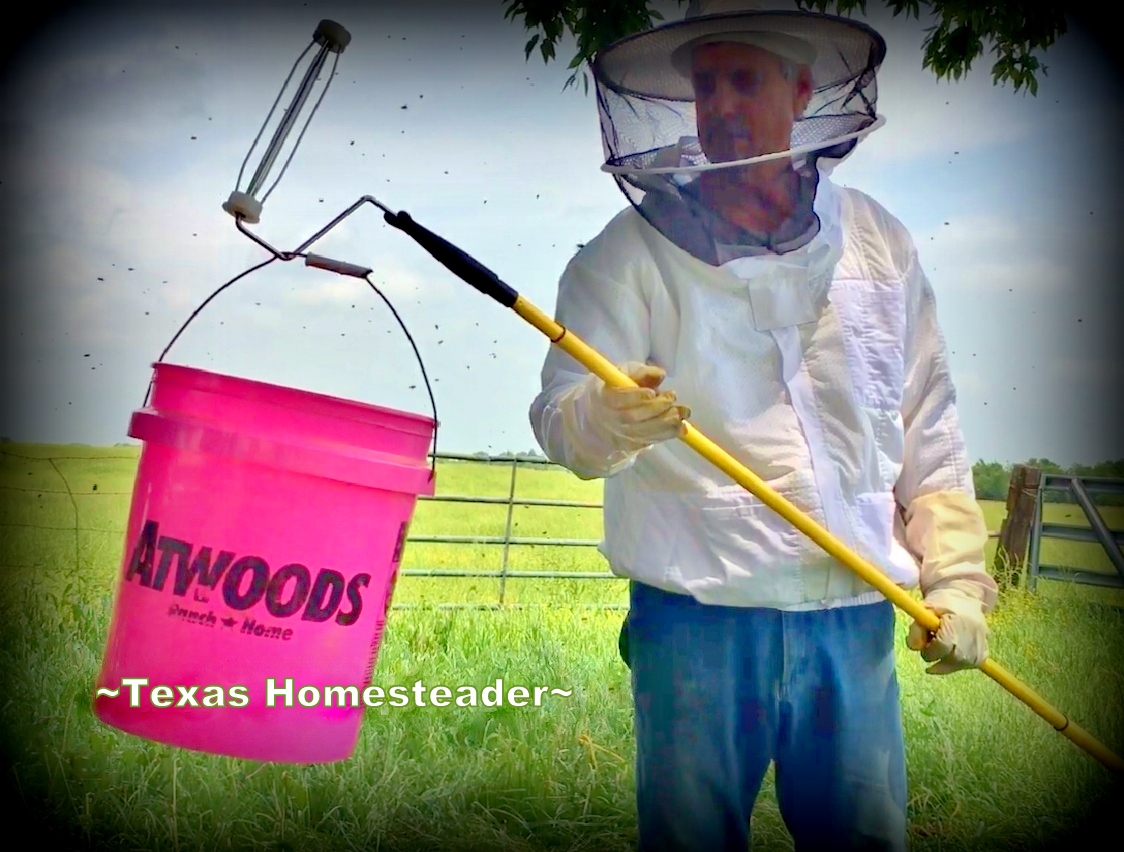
x: 348, y: 463
x: 211, y: 381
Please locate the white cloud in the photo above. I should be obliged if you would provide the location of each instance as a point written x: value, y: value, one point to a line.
x: 973, y: 233
x: 331, y: 289
x: 921, y: 126
x: 65, y: 301
x: 1036, y: 275
x: 994, y: 252
x: 970, y: 383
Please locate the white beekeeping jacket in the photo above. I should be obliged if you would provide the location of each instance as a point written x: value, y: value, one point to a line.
x: 823, y: 371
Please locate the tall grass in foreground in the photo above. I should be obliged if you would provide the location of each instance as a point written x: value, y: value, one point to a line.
x: 984, y: 771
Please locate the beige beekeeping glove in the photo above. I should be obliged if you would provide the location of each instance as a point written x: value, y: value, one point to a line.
x: 631, y: 419
x: 947, y: 530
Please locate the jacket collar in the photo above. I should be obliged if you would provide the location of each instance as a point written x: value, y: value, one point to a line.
x: 791, y: 289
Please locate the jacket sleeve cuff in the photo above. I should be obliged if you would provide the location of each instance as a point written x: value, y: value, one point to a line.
x: 569, y: 437
x: 946, y: 529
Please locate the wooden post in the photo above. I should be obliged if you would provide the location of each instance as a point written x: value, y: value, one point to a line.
x: 1014, y: 534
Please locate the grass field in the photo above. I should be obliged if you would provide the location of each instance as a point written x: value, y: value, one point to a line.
x: 984, y: 771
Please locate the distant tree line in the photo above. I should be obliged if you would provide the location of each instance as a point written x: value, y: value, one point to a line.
x: 529, y: 455
x: 992, y: 478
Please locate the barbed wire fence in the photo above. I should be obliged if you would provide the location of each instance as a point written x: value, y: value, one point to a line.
x: 507, y: 541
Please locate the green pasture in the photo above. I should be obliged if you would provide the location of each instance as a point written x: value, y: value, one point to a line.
x: 984, y: 771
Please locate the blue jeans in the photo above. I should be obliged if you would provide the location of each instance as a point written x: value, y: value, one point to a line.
x: 720, y: 692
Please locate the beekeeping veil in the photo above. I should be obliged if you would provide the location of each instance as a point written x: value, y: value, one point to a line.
x: 646, y: 102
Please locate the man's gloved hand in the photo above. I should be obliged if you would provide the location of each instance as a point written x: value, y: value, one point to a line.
x: 961, y: 639
x: 634, y: 418
x: 946, y: 530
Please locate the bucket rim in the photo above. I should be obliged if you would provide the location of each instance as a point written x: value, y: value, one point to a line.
x: 208, y: 380
x: 346, y: 463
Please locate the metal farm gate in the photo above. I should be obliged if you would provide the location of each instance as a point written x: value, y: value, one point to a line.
x: 1082, y: 489
x: 507, y: 540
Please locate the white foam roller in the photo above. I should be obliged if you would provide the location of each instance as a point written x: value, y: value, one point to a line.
x: 246, y: 206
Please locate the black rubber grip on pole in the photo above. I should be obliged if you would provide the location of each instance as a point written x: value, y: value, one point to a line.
x: 458, y: 262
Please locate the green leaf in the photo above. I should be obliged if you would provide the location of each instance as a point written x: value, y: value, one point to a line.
x: 964, y: 29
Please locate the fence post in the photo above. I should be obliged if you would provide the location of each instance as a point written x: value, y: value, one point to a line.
x: 507, y: 529
x: 74, y: 506
x: 1014, y: 534
x: 1035, y: 542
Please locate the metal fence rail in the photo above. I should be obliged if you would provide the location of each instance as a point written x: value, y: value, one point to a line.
x: 503, y: 574
x: 507, y: 540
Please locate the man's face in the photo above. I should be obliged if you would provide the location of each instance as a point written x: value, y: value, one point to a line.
x: 745, y: 106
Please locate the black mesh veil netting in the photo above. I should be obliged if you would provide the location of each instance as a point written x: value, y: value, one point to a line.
x: 650, y: 133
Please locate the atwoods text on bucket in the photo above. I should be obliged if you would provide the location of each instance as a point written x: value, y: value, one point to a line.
x: 286, y: 694
x: 245, y: 581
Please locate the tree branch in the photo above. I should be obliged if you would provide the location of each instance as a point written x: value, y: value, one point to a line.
x: 1014, y: 31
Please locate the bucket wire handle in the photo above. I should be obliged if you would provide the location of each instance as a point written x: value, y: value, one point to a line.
x: 333, y: 266
x: 196, y: 313
x: 425, y: 377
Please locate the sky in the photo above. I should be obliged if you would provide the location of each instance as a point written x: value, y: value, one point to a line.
x: 124, y: 127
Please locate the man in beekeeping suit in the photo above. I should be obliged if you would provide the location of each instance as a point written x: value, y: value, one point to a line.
x: 791, y: 320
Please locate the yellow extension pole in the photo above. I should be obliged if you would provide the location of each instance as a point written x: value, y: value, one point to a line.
x: 607, y: 371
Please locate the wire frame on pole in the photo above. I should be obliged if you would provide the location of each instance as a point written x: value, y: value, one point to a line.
x: 329, y: 38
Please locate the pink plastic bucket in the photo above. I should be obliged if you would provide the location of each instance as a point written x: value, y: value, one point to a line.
x: 265, y: 533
